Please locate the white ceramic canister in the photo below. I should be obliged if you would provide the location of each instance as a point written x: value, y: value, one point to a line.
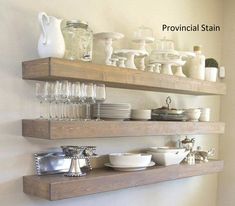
x: 197, y: 67
x: 51, y: 41
x: 205, y: 115
x: 211, y: 74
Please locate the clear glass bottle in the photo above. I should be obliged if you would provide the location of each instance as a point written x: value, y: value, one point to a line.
x: 197, y: 67
x: 78, y: 40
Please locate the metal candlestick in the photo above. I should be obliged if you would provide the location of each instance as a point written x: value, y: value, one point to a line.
x: 75, y: 153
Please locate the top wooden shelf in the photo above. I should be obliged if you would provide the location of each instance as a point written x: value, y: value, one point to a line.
x: 48, y: 69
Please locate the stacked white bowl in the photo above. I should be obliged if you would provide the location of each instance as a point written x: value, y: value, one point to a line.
x: 130, y: 159
x: 193, y: 114
x: 167, y: 155
x: 140, y: 114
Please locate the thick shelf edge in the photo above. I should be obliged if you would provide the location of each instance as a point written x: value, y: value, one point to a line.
x: 57, y: 187
x: 57, y: 69
x: 46, y: 129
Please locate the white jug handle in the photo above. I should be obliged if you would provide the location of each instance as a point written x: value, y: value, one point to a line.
x: 43, y: 19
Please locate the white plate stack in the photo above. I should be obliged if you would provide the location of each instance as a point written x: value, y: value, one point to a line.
x: 108, y: 111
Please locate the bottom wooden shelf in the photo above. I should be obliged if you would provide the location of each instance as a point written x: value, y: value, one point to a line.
x: 57, y: 187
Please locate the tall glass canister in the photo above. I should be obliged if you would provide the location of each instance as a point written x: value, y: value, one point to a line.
x: 78, y: 40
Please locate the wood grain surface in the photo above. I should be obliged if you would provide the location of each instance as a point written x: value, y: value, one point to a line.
x: 57, y: 69
x: 57, y: 187
x: 46, y: 129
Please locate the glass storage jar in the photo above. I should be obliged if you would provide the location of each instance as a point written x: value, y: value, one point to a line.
x: 78, y: 40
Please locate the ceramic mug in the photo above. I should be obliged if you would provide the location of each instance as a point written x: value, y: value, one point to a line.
x: 211, y: 74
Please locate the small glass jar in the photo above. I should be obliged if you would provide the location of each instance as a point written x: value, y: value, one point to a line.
x: 78, y: 40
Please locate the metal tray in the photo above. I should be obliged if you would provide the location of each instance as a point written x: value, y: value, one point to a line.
x: 54, y: 162
x: 169, y: 117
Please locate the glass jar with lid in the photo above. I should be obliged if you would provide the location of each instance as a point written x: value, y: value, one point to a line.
x: 78, y: 40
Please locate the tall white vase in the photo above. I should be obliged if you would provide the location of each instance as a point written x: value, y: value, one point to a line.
x: 51, y: 41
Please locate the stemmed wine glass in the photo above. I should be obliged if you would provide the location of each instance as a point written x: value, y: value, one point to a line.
x: 65, y: 98
x: 100, y: 97
x: 57, y: 100
x: 50, y: 90
x: 76, y: 99
x: 79, y: 98
x: 43, y: 93
x: 61, y: 100
x: 40, y: 94
x: 89, y: 98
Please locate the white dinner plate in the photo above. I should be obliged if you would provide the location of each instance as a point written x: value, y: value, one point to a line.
x: 128, y: 169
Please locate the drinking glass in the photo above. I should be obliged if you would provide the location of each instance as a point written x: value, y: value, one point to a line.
x: 76, y: 96
x: 89, y: 98
x: 79, y: 98
x: 40, y: 94
x: 50, y: 98
x: 57, y: 100
x: 100, y: 97
x: 65, y: 98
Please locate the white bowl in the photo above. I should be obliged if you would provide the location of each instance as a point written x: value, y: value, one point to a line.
x: 130, y: 159
x: 193, y: 114
x: 166, y: 149
x: 168, y: 158
x: 140, y: 114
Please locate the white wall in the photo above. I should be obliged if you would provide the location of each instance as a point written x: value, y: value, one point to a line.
x: 227, y: 141
x: 18, y: 40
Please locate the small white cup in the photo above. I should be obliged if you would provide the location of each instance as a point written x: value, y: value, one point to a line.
x: 211, y: 74
x: 205, y: 115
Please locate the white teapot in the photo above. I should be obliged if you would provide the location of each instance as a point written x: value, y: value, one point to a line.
x: 51, y: 41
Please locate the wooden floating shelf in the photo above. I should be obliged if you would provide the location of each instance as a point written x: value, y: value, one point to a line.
x: 48, y: 69
x: 57, y: 187
x: 46, y: 129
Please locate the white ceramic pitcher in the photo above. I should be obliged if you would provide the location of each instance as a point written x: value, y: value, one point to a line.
x: 51, y: 41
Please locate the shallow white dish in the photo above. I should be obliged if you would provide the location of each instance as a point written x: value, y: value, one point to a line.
x: 168, y: 158
x: 114, y: 119
x: 109, y: 35
x: 140, y: 119
x: 166, y: 150
x: 129, y: 169
x: 124, y: 160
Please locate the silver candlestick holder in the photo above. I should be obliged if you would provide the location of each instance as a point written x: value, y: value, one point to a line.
x: 75, y: 153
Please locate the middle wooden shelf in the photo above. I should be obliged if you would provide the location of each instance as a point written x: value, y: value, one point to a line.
x: 52, y: 129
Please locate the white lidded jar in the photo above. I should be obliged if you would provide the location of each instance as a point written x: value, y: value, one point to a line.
x: 197, y: 68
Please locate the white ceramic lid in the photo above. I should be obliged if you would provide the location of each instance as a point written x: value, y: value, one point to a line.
x: 109, y: 35
x: 146, y: 39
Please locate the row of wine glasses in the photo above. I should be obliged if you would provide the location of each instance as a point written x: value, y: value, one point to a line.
x: 62, y: 100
